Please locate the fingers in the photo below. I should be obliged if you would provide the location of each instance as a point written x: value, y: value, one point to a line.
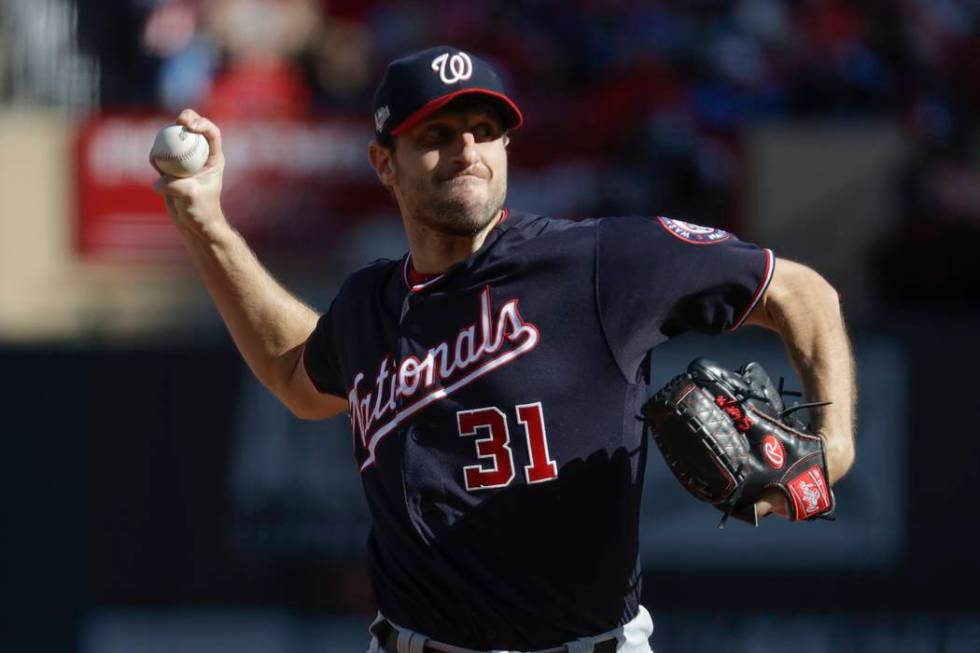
x: 175, y: 187
x: 153, y: 164
x: 187, y: 116
x: 763, y: 508
x: 171, y: 207
x: 772, y: 501
x: 194, y: 122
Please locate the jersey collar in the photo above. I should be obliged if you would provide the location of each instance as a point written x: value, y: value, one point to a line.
x: 415, y: 281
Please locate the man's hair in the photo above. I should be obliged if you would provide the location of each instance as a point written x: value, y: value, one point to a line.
x: 386, y: 141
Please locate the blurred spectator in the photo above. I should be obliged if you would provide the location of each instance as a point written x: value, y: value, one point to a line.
x: 189, y: 56
x: 657, y: 93
x: 112, y: 32
x: 231, y: 58
x: 342, y: 65
x: 260, y: 42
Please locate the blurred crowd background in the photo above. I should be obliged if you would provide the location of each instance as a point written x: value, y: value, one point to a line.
x: 158, y: 500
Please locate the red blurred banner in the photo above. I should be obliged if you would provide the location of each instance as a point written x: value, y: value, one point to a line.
x: 289, y: 187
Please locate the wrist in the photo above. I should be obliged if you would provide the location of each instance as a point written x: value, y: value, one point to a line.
x: 213, y: 229
x: 217, y: 229
x: 839, y: 452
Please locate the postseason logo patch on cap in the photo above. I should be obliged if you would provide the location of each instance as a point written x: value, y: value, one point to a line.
x: 381, y: 117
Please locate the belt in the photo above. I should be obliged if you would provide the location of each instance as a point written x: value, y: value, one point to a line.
x: 387, y: 636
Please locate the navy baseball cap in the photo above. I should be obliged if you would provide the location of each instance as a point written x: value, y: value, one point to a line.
x: 416, y: 86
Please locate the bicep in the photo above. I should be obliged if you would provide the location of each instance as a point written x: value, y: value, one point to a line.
x: 298, y: 392
x: 322, y: 405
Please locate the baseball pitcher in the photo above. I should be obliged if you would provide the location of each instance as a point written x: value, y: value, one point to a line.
x: 493, y: 377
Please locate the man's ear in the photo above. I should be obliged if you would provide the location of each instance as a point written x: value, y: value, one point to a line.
x: 382, y: 160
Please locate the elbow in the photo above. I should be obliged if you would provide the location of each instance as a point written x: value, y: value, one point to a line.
x: 328, y: 407
x: 796, y: 291
x: 299, y: 409
x: 813, y: 284
x: 831, y: 296
x: 298, y: 405
x: 283, y: 384
x: 302, y: 411
x: 310, y: 404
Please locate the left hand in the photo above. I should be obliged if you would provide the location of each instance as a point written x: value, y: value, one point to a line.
x: 772, y: 501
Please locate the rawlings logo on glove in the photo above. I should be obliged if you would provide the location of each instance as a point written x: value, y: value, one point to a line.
x: 728, y: 438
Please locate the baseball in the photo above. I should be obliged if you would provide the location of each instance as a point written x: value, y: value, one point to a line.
x: 179, y: 153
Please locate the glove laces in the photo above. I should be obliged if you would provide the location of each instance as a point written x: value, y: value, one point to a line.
x: 795, y: 407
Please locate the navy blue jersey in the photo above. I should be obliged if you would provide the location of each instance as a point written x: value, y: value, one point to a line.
x: 494, y: 416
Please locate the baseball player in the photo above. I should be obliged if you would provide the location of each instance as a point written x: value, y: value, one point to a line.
x: 493, y: 374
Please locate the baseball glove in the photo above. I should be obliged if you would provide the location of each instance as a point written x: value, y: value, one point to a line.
x: 728, y: 438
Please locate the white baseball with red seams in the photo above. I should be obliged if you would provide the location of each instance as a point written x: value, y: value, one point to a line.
x: 177, y: 152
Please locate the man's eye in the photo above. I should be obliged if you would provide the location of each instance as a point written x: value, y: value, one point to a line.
x: 435, y: 134
x: 484, y: 132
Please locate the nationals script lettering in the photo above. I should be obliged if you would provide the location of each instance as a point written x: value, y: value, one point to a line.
x: 490, y: 342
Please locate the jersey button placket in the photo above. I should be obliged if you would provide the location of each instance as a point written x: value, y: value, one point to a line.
x: 404, y: 348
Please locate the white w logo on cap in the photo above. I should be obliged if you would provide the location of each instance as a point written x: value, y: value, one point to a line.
x: 459, y: 67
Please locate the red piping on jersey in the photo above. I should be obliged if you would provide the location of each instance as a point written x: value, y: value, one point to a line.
x: 416, y: 281
x: 759, y: 292
x: 416, y: 278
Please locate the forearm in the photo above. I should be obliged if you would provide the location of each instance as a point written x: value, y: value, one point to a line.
x: 267, y: 323
x: 806, y: 313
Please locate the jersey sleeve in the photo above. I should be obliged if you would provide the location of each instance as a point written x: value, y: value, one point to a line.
x: 658, y: 277
x: 320, y: 356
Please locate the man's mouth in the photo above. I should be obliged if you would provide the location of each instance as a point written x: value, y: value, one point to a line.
x: 465, y: 176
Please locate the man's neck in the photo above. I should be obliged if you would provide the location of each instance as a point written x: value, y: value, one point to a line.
x: 433, y: 252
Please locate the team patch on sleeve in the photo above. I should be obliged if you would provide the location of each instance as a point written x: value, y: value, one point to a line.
x: 693, y: 233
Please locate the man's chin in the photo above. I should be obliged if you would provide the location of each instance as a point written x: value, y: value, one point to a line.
x: 460, y: 216
x: 469, y: 199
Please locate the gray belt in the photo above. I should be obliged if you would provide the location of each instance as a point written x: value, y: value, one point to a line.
x: 395, y: 640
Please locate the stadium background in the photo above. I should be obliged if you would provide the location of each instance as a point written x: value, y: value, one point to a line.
x: 157, y: 499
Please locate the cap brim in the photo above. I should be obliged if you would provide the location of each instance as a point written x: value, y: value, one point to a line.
x: 512, y: 115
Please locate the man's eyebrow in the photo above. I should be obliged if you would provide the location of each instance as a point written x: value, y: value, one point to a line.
x: 475, y: 114
x: 435, y: 121
x: 485, y: 112
x: 430, y: 123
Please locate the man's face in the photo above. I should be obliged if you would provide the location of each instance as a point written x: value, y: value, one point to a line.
x: 450, y: 170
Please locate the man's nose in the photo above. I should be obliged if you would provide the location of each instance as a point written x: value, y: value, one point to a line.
x: 468, y: 152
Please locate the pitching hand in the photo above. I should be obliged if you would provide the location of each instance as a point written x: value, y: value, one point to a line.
x: 194, y: 202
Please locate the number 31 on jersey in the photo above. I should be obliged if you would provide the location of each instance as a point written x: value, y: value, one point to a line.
x: 494, y: 447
